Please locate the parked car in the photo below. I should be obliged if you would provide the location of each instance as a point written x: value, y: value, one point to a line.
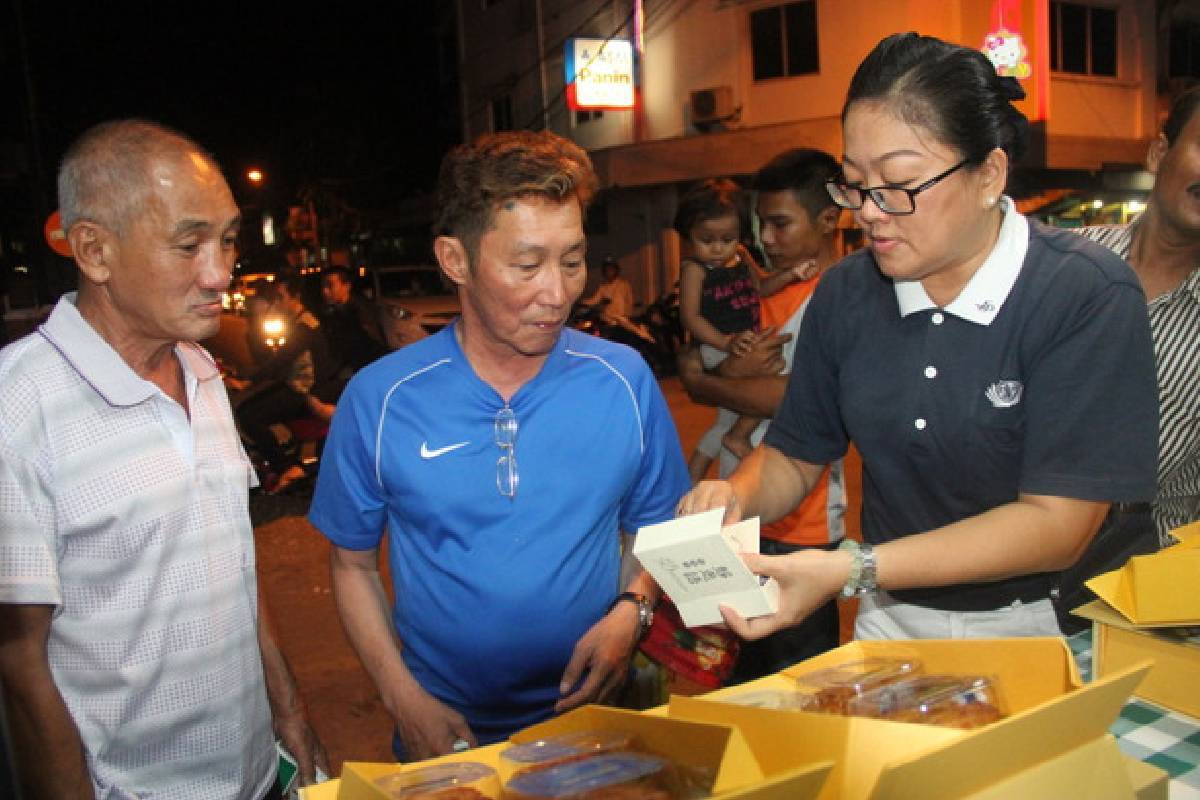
x: 414, y: 300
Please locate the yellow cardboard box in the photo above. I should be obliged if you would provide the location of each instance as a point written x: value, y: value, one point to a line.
x: 1050, y: 714
x: 1096, y: 770
x: 1117, y: 643
x: 322, y: 791
x: 358, y: 777
x: 716, y: 747
x: 1053, y: 780
x: 1149, y: 782
x: 327, y: 791
x: 1158, y: 589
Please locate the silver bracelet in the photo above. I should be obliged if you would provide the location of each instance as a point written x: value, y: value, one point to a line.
x: 863, y: 577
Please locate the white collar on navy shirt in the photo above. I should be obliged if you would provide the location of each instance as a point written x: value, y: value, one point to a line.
x: 981, y: 299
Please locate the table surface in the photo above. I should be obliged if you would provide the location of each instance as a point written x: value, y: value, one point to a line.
x: 1148, y: 732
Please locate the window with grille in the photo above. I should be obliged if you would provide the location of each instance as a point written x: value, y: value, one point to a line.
x: 1184, y: 55
x: 1083, y: 39
x: 783, y: 40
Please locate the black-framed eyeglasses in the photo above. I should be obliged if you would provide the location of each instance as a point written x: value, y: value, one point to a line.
x: 507, y: 476
x: 893, y: 200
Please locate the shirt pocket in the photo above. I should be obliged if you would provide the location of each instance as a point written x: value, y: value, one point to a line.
x: 1000, y: 429
x: 995, y: 448
x: 223, y: 505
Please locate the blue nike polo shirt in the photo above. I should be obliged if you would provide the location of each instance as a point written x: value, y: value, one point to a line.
x: 493, y: 592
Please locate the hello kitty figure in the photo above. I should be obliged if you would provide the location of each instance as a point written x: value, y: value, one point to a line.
x: 1007, y: 51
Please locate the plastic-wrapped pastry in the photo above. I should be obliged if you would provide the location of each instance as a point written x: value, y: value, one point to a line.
x: 830, y: 690
x: 554, y: 750
x: 464, y: 780
x: 608, y: 776
x: 952, y: 700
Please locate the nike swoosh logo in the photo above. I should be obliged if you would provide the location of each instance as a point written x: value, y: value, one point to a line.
x: 441, y: 451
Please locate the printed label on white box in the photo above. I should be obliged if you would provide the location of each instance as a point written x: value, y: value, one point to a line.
x: 695, y: 561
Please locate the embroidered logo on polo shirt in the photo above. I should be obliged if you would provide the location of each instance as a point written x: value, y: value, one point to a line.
x: 1005, y: 394
x: 426, y: 453
x: 986, y: 306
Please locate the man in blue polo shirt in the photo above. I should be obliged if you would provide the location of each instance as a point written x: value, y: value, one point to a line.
x: 504, y: 456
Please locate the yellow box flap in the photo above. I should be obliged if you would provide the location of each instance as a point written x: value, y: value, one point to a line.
x: 802, y: 783
x: 1157, y: 589
x: 1027, y: 738
x: 358, y: 777
x: 688, y: 743
x: 1148, y: 781
x: 1117, y: 643
x: 1188, y: 535
x: 1095, y: 770
x: 328, y: 790
x: 858, y: 748
x: 1100, y: 611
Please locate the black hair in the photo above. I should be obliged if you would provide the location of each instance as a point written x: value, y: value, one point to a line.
x: 291, y: 280
x: 1182, y: 111
x: 803, y: 172
x: 264, y: 289
x: 477, y: 179
x: 342, y: 272
x: 710, y: 199
x: 949, y: 89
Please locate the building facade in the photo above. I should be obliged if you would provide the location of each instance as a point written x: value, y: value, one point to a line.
x: 722, y: 85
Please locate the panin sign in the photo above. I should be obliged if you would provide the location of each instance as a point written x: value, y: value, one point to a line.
x: 599, y: 73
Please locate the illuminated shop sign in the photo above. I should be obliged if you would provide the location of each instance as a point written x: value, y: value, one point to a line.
x: 599, y: 73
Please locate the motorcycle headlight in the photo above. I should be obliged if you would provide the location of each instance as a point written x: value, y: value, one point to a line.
x: 398, y: 312
x: 273, y: 326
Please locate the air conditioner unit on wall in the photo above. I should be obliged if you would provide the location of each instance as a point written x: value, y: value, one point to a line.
x: 712, y: 105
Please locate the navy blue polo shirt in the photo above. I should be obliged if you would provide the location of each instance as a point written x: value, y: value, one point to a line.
x: 1038, y: 378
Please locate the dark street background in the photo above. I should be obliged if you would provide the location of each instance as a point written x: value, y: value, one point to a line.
x: 346, y: 108
x: 346, y: 92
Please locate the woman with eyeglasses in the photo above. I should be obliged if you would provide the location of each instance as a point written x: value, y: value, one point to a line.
x: 996, y: 375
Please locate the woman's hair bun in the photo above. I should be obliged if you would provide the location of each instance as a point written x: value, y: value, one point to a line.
x: 1010, y: 88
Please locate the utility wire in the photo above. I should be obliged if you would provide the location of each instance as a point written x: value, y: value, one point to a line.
x: 665, y: 10
x: 538, y: 63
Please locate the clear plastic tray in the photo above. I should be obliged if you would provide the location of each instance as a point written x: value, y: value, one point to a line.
x: 607, y: 775
x: 779, y: 699
x: 955, y: 701
x: 830, y: 690
x: 558, y: 749
x: 463, y: 780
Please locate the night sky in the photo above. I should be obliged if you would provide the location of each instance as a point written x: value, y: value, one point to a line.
x: 345, y: 94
